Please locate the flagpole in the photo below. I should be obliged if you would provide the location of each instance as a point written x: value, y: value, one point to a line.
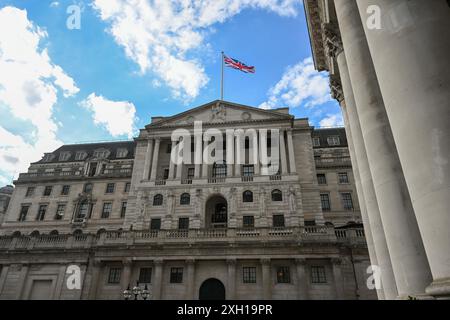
x: 221, y: 82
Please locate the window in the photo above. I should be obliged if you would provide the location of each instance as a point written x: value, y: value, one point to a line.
x: 23, y: 213
x: 278, y: 221
x: 185, y: 199
x: 158, y: 200
x: 41, y: 212
x: 48, y: 157
x: 30, y: 191
x: 318, y: 274
x: 155, y: 224
x: 321, y: 178
x: 60, y: 211
x: 123, y: 209
x: 166, y: 174
x: 343, y: 177
x: 114, y: 275
x: 183, y: 223
x: 176, y: 275
x: 325, y: 201
x: 101, y: 154
x: 88, y: 188
x: 219, y: 170
x: 121, y: 153
x: 80, y: 155
x: 190, y: 174
x: 169, y: 148
x: 248, y: 170
x: 316, y: 142
x: 248, y: 221
x: 310, y: 223
x: 83, y: 210
x: 347, y: 200
x: 283, y: 275
x: 145, y: 275
x: 247, y: 196
x: 127, y: 187
x: 65, y: 190
x: 64, y: 156
x: 249, y: 274
x: 107, y: 208
x: 48, y: 191
x: 333, y: 141
x: 110, y: 188
x: 277, y: 195
x: 92, y: 169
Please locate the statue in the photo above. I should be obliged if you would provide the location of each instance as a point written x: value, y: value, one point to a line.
x: 219, y: 112
x: 292, y: 201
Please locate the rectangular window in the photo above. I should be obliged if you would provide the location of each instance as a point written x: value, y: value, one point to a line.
x: 123, y: 209
x: 310, y: 223
x: 249, y: 274
x: 145, y: 275
x: 65, y: 190
x: 110, y: 187
x: 80, y: 155
x: 30, y: 191
x: 283, y: 275
x: 60, y: 211
x: 248, y: 221
x: 183, y: 223
x: 343, y: 177
x: 278, y: 221
x: 64, y: 156
x: 114, y: 275
x: 191, y: 172
x: 127, y: 187
x: 316, y: 142
x: 333, y: 141
x: 347, y: 202
x: 41, y: 212
x: 107, y: 209
x: 321, y: 178
x: 176, y: 275
x: 166, y: 174
x: 318, y: 274
x: 248, y: 170
x: 325, y: 201
x: 48, y: 191
x: 23, y: 213
x: 169, y: 148
x: 155, y: 224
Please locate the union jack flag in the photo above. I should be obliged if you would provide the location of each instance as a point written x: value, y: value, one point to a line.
x: 236, y: 64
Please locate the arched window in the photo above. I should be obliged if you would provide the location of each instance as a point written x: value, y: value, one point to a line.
x: 158, y: 200
x: 88, y: 188
x: 219, y: 169
x: 78, y: 232
x: 16, y: 234
x: 277, y: 195
x: 247, y: 196
x: 185, y: 199
x: 35, y: 233
x: 100, y: 231
x: 54, y: 233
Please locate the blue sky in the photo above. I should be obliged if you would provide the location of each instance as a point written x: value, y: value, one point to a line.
x: 134, y: 59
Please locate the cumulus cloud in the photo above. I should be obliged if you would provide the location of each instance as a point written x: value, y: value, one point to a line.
x: 29, y: 86
x: 116, y: 116
x: 157, y: 35
x: 332, y: 120
x: 300, y: 85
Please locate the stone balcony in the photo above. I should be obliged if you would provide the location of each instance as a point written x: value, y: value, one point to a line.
x: 330, y: 162
x: 73, y: 174
x: 298, y: 235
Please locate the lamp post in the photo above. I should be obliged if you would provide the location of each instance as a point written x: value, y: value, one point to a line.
x: 137, y: 292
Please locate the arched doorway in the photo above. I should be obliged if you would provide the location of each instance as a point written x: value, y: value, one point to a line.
x: 216, y: 212
x: 212, y: 289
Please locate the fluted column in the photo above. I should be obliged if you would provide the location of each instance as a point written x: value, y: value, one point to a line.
x: 303, y: 283
x: 284, y: 168
x: 190, y: 281
x: 171, y: 163
x: 148, y: 159
x: 338, y: 279
x: 370, y: 213
x: 408, y: 258
x: 229, y: 157
x: 155, y: 159
x: 411, y: 57
x: 266, y: 279
x: 126, y: 274
x: 231, y: 279
x: 157, y: 283
x: 96, y: 273
x: 291, y: 152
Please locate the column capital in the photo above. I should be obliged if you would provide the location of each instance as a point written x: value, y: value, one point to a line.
x: 336, y: 261
x: 158, y: 262
x: 231, y: 262
x: 265, y: 261
x: 331, y: 39
x: 127, y: 262
x: 300, y: 261
x: 190, y: 262
x: 336, y: 89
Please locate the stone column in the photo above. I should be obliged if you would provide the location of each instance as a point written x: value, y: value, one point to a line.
x: 3, y: 275
x: 230, y: 155
x: 198, y: 158
x: 256, y: 162
x: 338, y: 279
x: 204, y: 165
x: 157, y: 283
x: 190, y: 281
x: 291, y: 152
x: 126, y: 274
x: 408, y: 258
x: 155, y: 159
x: 370, y: 213
x: 231, y: 279
x: 22, y: 281
x: 96, y: 272
x: 411, y: 57
x: 148, y: 158
x: 284, y: 168
x: 266, y: 279
x: 171, y: 163
x: 303, y: 283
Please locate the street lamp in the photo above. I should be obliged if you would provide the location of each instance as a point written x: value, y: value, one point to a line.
x: 127, y: 293
x: 137, y: 292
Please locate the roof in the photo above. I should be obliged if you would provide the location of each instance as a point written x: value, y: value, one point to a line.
x: 323, y: 134
x: 89, y: 148
x: 7, y: 189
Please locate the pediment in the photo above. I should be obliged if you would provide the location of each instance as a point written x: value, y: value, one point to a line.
x: 220, y: 112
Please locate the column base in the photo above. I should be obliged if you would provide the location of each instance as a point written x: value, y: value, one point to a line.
x: 439, y: 289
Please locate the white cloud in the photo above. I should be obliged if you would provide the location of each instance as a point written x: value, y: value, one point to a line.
x: 54, y: 4
x: 332, y: 120
x: 29, y: 84
x: 116, y: 116
x: 300, y: 85
x: 157, y: 35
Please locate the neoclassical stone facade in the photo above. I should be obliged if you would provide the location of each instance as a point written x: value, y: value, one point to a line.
x: 391, y: 77
x: 5, y: 196
x: 123, y: 212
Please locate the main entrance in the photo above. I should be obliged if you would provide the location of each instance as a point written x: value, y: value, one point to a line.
x: 216, y: 212
x: 212, y: 289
